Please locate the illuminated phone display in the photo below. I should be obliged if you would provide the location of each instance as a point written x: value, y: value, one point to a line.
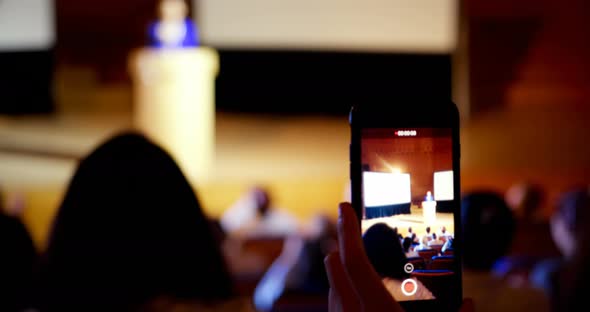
x: 408, y: 206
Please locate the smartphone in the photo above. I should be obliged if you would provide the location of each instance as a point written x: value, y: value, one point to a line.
x: 404, y: 171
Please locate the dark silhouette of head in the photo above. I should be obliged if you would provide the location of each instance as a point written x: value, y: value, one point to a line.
x: 572, y: 280
x: 443, y: 230
x: 525, y: 199
x: 385, y: 251
x: 130, y: 229
x: 262, y: 200
x: 433, y: 235
x: 568, y: 221
x: 410, y: 229
x: 488, y: 228
x: 17, y: 258
x: 413, y: 236
x: 428, y: 229
x: 407, y: 243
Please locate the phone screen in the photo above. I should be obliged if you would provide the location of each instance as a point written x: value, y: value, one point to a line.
x: 408, y: 210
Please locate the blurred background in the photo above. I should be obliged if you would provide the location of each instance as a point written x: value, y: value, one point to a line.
x: 285, y: 74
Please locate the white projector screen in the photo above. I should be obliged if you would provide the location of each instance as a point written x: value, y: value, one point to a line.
x: 26, y: 25
x: 381, y: 189
x: 443, y: 185
x: 347, y: 25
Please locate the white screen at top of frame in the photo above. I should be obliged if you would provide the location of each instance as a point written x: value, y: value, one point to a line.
x: 344, y: 25
x: 443, y: 185
x: 380, y: 188
x: 26, y: 25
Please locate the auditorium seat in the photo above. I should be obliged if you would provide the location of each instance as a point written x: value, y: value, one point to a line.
x: 442, y: 263
x: 438, y: 248
x: 294, y: 302
x: 427, y: 254
x: 267, y: 248
x: 264, y: 251
x: 417, y: 262
x: 449, y: 252
x: 439, y: 282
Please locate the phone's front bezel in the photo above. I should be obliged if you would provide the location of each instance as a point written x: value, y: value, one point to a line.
x: 411, y: 114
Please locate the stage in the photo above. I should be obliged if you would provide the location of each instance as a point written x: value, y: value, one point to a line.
x: 414, y: 219
x: 302, y: 159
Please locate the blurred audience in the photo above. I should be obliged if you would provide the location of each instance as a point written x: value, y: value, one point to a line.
x: 525, y: 200
x: 409, y: 249
x: 254, y: 216
x: 532, y: 243
x: 444, y: 235
x: 427, y: 235
x: 435, y: 241
x: 387, y: 257
x: 412, y: 235
x: 570, y: 281
x: 130, y: 235
x: 17, y: 259
x: 423, y: 243
x: 488, y: 229
x: 568, y: 230
x: 448, y: 245
x: 300, y: 268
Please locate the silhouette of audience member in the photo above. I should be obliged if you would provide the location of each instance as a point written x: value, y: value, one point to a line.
x: 385, y: 253
x: 571, y: 280
x: 435, y: 241
x: 17, y: 259
x: 253, y: 216
x: 408, y: 250
x: 401, y: 238
x: 426, y: 238
x: 568, y: 228
x: 413, y: 236
x: 130, y: 235
x: 448, y: 245
x: 488, y: 226
x: 423, y: 243
x: 300, y: 268
x: 444, y: 235
x: 526, y: 200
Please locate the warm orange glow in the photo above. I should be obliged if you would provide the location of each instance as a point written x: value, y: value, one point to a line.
x: 175, y: 106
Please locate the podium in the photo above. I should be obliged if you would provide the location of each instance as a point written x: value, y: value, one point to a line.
x: 429, y: 212
x: 174, y: 103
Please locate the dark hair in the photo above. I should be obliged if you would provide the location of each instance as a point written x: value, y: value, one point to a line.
x: 385, y: 251
x: 488, y: 228
x: 427, y: 229
x: 573, y: 208
x: 130, y: 229
x: 407, y: 244
x: 262, y: 200
x: 17, y: 258
x: 571, y: 280
x: 410, y: 229
x: 433, y: 235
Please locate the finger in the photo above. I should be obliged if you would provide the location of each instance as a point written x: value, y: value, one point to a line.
x: 366, y: 282
x: 343, y: 297
x: 333, y: 302
x: 467, y: 306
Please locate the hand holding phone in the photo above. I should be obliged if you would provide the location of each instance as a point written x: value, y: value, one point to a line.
x: 354, y: 284
x: 404, y: 171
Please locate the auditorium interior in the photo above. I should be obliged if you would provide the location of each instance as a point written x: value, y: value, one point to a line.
x: 267, y: 106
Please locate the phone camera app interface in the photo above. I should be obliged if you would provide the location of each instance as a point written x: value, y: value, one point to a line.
x: 408, y: 209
